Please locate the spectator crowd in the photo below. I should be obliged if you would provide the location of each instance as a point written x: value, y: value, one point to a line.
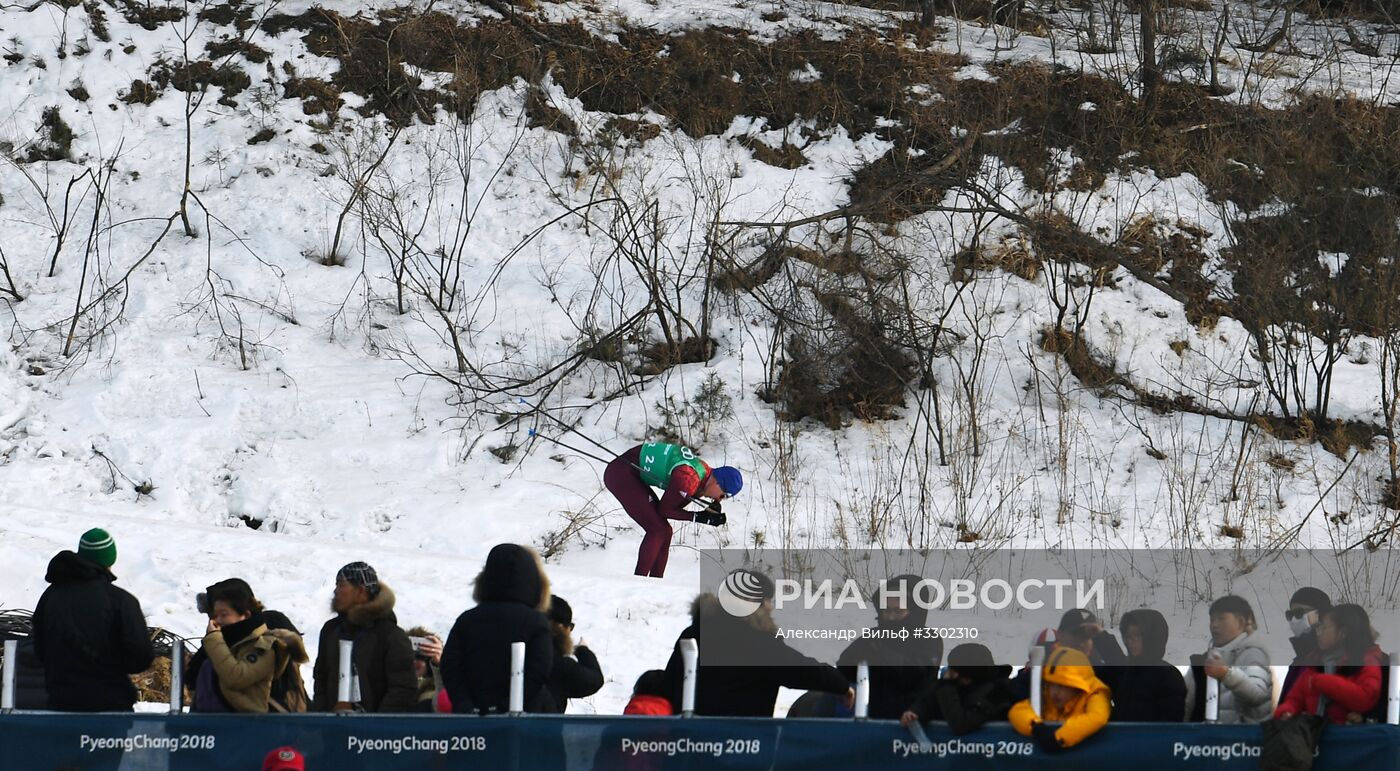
x: 90, y: 636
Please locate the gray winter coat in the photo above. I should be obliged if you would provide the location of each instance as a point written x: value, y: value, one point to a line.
x: 1247, y: 690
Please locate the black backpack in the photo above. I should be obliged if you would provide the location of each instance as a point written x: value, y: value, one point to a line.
x: 1289, y: 744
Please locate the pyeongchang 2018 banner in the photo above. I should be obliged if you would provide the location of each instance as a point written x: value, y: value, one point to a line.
x: 579, y: 743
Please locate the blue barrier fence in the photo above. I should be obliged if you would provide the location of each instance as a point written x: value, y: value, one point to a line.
x: 386, y: 743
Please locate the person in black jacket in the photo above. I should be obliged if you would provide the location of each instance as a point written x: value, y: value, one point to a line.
x: 576, y: 672
x: 1305, y: 609
x: 512, y: 596
x: 90, y: 635
x: 974, y: 691
x: 727, y: 688
x: 900, y: 667
x: 1079, y: 629
x: 382, y: 656
x: 1146, y: 689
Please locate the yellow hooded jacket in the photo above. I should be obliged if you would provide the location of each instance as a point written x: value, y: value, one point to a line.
x: 1083, y: 715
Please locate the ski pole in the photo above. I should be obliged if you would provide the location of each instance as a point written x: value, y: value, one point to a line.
x: 532, y: 433
x: 567, y: 427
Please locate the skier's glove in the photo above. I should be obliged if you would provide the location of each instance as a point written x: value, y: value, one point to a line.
x: 711, y: 515
x: 1044, y: 735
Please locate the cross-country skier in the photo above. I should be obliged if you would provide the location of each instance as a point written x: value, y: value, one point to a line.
x: 684, y: 477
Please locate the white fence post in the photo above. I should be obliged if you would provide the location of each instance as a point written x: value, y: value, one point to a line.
x: 177, y: 677
x: 517, y: 678
x: 1212, y: 700
x: 344, y: 692
x: 690, y: 655
x: 7, y: 693
x: 862, y: 691
x: 1037, y: 665
x: 1392, y: 700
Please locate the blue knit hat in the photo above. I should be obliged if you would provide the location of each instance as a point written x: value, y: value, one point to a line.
x: 729, y: 479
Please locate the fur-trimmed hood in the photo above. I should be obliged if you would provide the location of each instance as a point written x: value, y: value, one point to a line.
x: 707, y: 606
x: 380, y: 606
x: 295, y: 645
x: 513, y: 573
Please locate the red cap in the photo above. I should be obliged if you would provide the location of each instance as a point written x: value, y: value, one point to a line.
x: 284, y: 759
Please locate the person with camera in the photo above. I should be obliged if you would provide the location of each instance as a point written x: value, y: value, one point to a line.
x: 427, y: 660
x: 683, y: 477
x: 241, y: 657
x: 382, y: 656
x: 576, y: 672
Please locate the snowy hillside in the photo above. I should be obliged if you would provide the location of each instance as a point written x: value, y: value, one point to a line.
x: 1009, y: 316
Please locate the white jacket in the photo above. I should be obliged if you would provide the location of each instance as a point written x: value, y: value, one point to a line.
x: 1247, y: 690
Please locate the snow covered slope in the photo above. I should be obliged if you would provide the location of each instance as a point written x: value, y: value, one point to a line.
x: 250, y: 401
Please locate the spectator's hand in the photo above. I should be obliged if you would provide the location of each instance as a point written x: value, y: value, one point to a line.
x: 849, y: 700
x: 342, y: 707
x: 432, y: 649
x: 1044, y: 735
x: 908, y: 718
x: 1355, y: 718
x: 1284, y: 716
x: 213, y: 626
x: 1216, y: 670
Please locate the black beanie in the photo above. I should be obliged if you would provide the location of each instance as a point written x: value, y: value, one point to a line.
x: 559, y: 610
x: 1312, y: 597
x: 969, y: 655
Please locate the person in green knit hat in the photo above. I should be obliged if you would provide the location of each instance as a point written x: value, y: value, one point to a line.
x: 89, y: 634
x: 684, y: 477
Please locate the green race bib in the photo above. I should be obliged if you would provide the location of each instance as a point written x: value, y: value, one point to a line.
x: 659, y: 459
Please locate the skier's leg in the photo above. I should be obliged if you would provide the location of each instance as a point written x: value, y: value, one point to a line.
x: 661, y: 542
x: 663, y: 538
x: 623, y: 481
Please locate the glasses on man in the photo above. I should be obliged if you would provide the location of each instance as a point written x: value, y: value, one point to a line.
x: 1293, y: 613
